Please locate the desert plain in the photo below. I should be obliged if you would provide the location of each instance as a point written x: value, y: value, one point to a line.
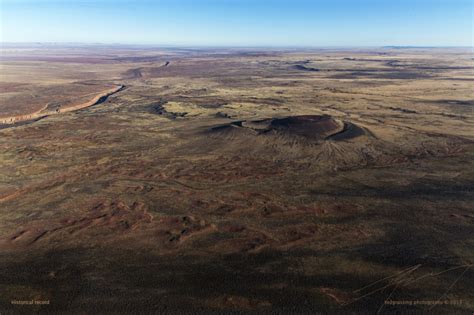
x: 184, y: 180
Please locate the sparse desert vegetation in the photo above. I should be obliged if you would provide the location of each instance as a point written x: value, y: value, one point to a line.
x: 187, y: 180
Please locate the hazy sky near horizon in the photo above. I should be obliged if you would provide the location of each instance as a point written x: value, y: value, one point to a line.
x: 240, y: 22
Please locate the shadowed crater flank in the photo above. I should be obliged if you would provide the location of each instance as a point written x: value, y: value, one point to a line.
x: 310, y: 127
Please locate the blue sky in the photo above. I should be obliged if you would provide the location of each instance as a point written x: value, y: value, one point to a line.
x: 240, y: 22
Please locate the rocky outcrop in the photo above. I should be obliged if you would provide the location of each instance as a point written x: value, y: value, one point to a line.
x: 43, y: 112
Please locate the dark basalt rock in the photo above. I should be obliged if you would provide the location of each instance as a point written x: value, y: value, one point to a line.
x: 308, y: 126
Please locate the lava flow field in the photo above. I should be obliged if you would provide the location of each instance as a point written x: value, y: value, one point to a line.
x: 267, y: 181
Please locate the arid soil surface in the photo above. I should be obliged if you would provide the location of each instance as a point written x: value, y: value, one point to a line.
x: 192, y: 180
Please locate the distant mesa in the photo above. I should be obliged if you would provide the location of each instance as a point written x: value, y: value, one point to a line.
x: 310, y: 127
x: 304, y: 68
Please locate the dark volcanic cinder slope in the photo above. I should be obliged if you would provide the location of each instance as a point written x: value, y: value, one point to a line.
x: 312, y: 128
x: 322, y: 142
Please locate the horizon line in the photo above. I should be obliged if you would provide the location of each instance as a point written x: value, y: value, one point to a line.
x: 164, y: 45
